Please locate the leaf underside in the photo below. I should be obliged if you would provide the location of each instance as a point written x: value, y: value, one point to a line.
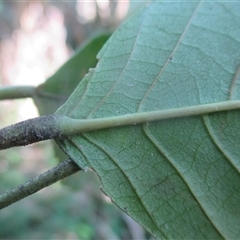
x: 179, y: 178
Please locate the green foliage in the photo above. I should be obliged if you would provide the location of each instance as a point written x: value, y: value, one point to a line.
x: 57, y: 88
x: 179, y: 178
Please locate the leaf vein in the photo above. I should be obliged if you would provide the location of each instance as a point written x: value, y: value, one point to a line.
x: 122, y: 72
x: 216, y: 142
x: 154, y: 142
x: 127, y: 177
x: 168, y: 59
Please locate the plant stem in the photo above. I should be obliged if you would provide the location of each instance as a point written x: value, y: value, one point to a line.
x: 61, y: 171
x: 71, y: 126
x: 30, y: 131
x: 56, y: 126
x: 16, y: 92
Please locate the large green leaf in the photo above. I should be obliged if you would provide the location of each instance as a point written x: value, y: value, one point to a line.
x: 179, y: 178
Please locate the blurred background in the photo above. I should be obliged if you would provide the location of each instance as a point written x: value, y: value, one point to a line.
x: 36, y: 38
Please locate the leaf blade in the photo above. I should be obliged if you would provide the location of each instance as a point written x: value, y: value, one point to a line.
x: 174, y: 171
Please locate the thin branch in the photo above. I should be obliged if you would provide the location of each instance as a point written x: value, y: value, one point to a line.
x: 30, y: 131
x: 61, y: 171
x: 16, y: 92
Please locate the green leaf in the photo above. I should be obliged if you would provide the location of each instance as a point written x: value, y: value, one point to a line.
x: 57, y: 88
x: 179, y: 178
